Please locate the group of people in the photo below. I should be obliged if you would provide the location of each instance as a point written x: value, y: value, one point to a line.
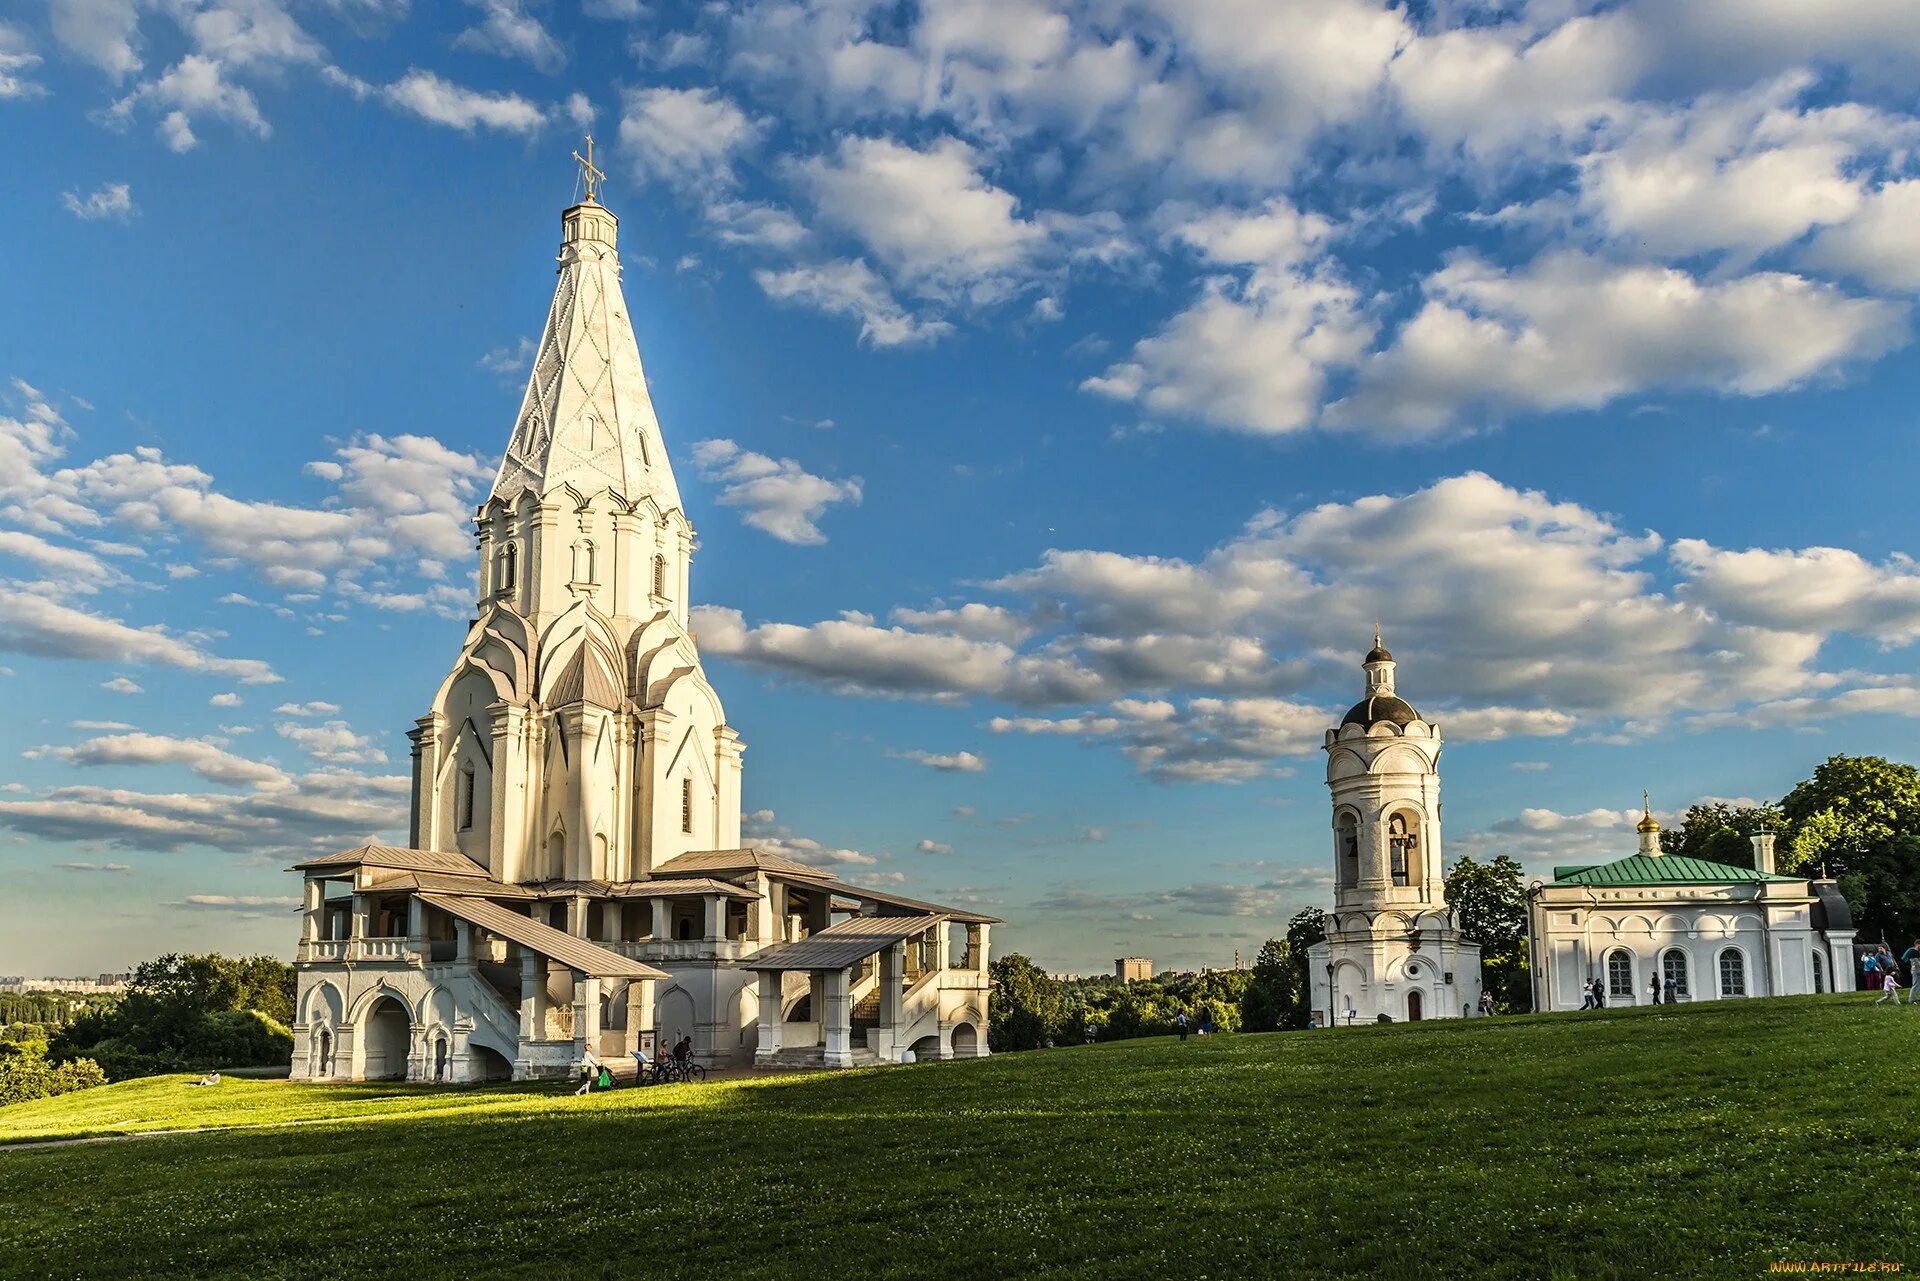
x: 1181, y: 1024
x: 595, y: 1075
x: 1659, y: 992
x: 1879, y: 969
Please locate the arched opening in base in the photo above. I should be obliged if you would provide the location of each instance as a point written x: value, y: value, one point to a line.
x: 926, y: 1049
x: 966, y: 1041
x: 386, y: 1034
x: 1414, y: 1013
x: 491, y: 1065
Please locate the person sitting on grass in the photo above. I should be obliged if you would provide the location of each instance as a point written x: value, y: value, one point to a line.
x: 211, y: 1078
x: 1889, y: 989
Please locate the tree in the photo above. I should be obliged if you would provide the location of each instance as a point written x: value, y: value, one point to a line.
x: 1489, y: 902
x: 1273, y: 996
x: 1308, y: 926
x: 1025, y: 1010
x: 1721, y: 833
x: 1858, y: 819
x: 188, y: 1012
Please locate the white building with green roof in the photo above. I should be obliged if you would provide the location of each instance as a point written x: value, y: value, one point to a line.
x: 1699, y: 930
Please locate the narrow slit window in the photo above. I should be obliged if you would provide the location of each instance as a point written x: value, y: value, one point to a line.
x: 686, y: 806
x: 660, y: 577
x: 466, y: 798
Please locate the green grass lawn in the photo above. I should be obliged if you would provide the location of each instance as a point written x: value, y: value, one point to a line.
x: 1708, y: 1141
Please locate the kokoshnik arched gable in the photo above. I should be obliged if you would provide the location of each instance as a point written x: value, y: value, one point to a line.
x: 574, y: 879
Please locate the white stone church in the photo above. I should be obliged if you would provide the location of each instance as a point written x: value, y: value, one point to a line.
x: 1700, y: 930
x: 574, y: 878
x: 1392, y: 948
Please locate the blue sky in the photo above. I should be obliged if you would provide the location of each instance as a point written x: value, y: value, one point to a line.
x: 1061, y: 391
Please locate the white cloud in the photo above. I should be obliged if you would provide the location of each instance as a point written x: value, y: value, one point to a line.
x: 334, y: 742
x: 111, y: 869
x: 1880, y: 244
x: 510, y: 362
x: 686, y: 137
x: 239, y: 903
x: 1821, y: 589
x: 929, y: 215
x: 778, y: 496
x: 1571, y: 331
x: 113, y: 201
x: 196, y: 86
x: 103, y: 32
x: 428, y: 96
x: 315, y: 708
x: 508, y: 30
x: 33, y: 624
x: 945, y: 762
x: 121, y: 685
x: 762, y: 833
x: 17, y: 58
x: 208, y: 760
x: 852, y: 289
x: 228, y: 699
x: 313, y: 813
x: 928, y: 845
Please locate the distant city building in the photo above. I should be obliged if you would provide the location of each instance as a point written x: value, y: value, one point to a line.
x: 1704, y: 931
x: 1128, y: 969
x: 575, y: 881
x: 105, y: 984
x: 1392, y: 948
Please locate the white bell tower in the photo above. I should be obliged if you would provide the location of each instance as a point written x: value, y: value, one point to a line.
x: 1391, y: 947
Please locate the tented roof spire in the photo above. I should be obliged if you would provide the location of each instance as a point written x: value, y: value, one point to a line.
x: 587, y: 419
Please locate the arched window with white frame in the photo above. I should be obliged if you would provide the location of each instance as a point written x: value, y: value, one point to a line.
x: 1620, y: 974
x: 1673, y: 971
x: 660, y: 576
x: 1733, y: 973
x: 1819, y: 973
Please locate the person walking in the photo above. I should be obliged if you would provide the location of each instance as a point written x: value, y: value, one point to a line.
x: 1889, y: 990
x: 1653, y: 988
x: 1911, y: 959
x: 1671, y: 988
x: 1586, y: 997
x: 1599, y: 995
x: 1486, y: 1002
x: 1181, y: 1023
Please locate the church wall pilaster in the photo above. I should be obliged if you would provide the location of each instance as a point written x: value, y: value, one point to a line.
x: 507, y: 844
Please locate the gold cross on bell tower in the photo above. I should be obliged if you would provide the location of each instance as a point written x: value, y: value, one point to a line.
x: 588, y: 171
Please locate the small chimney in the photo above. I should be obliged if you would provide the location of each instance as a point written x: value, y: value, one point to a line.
x: 1763, y: 852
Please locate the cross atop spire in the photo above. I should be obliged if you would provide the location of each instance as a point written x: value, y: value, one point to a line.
x: 588, y: 170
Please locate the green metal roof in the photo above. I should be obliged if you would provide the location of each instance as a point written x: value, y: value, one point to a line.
x: 1660, y: 869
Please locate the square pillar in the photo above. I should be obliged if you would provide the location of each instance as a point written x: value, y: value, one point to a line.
x: 837, y: 1020
x: 577, y: 916
x: 893, y: 970
x: 640, y: 1016
x: 713, y: 910
x: 462, y: 940
x: 662, y: 919
x: 771, y: 1023
x: 586, y: 1015
x: 416, y: 918
x: 533, y: 998
x: 612, y: 918
x: 361, y: 907
x: 315, y: 896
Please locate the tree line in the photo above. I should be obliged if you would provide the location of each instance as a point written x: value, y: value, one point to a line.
x: 178, y: 1014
